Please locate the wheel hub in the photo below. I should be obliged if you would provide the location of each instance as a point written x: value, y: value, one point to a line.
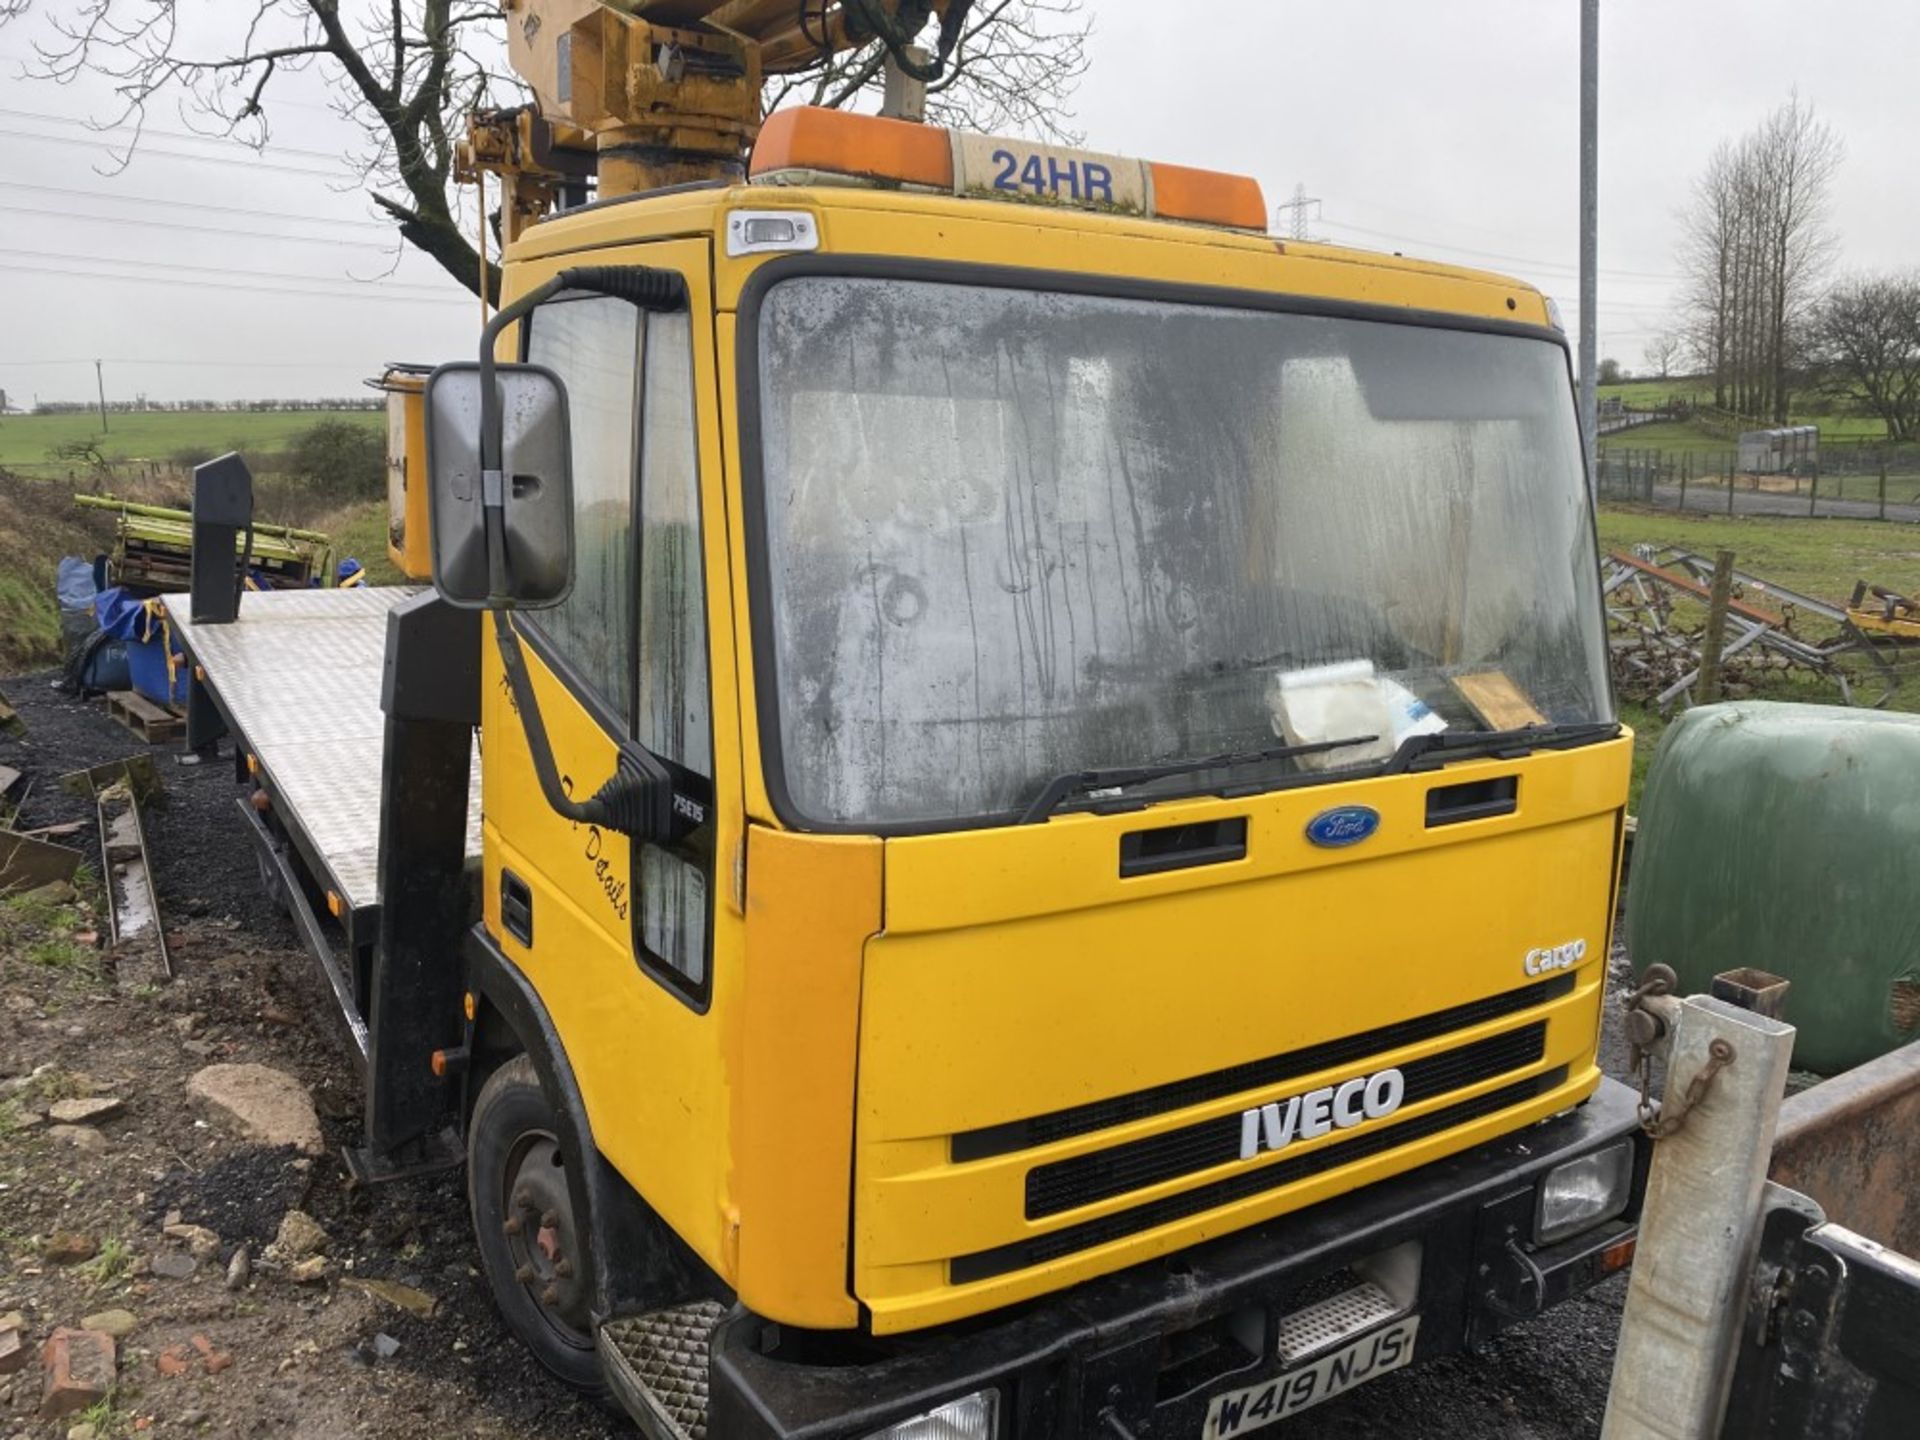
x: 541, y: 1235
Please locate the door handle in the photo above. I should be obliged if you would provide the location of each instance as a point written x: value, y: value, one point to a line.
x: 516, y: 907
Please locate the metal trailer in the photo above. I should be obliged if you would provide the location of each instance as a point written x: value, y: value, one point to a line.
x: 1758, y: 1308
x: 1783, y: 450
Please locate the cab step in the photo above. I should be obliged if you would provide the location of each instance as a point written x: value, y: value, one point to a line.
x: 1327, y: 1323
x: 656, y: 1365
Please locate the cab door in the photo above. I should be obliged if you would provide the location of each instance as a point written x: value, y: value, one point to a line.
x: 624, y: 941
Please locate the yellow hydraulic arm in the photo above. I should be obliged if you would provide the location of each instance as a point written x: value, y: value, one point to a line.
x: 645, y: 93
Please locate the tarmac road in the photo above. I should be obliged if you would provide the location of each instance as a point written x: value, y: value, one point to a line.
x: 1713, y: 501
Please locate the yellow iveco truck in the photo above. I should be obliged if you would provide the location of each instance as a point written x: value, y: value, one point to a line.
x: 1042, y: 841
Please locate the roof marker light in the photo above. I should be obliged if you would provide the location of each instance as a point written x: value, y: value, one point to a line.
x: 814, y: 146
x: 759, y: 232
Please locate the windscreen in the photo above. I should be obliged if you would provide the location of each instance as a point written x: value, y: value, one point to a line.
x: 1013, y: 535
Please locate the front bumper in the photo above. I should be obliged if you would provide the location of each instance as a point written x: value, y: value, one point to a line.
x: 1149, y: 1346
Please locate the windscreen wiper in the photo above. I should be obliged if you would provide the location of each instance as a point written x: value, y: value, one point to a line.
x: 1076, y: 782
x: 1424, y: 752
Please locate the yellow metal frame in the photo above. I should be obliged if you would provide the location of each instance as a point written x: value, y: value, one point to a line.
x: 409, y: 543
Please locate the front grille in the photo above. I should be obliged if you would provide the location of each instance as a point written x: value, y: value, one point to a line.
x: 985, y: 1264
x: 1251, y: 1075
x: 1068, y: 1184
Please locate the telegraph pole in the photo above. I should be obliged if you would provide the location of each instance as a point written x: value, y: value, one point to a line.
x: 100, y: 379
x: 1590, y: 228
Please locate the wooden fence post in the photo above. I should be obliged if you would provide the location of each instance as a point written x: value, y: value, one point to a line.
x: 1813, y: 491
x: 1708, y: 686
x: 1729, y: 485
x: 1883, y: 485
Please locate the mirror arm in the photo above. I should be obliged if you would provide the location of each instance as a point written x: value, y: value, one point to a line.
x: 636, y: 800
x: 640, y: 285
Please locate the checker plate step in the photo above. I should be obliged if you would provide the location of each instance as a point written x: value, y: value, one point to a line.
x: 1327, y: 1323
x: 657, y: 1366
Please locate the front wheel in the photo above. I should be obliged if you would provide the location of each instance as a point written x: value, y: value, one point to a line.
x: 532, y: 1248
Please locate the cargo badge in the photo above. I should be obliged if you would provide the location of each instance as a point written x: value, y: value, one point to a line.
x: 1344, y: 825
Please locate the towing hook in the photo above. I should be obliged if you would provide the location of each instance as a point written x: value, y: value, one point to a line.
x: 1644, y: 1029
x: 1532, y: 1286
x: 1656, y: 979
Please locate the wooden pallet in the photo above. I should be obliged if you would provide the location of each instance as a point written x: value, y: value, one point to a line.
x: 153, y: 723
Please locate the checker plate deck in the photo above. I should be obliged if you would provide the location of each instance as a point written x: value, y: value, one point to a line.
x: 299, y: 674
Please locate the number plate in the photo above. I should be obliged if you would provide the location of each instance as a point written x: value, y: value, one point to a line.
x: 1369, y: 1357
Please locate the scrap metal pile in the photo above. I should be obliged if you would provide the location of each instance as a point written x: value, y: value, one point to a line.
x: 1657, y: 597
x: 46, y: 861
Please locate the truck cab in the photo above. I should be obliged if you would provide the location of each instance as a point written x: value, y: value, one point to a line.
x: 1135, y: 703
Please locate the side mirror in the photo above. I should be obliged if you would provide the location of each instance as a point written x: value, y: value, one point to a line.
x: 502, y: 537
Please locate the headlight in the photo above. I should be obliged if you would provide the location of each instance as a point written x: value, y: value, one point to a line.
x: 971, y: 1417
x: 1581, y: 1193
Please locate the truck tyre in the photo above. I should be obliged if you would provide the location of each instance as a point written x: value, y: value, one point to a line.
x: 532, y: 1245
x: 270, y: 885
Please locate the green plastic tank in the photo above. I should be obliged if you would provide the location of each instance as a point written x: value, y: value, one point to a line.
x: 1787, y: 837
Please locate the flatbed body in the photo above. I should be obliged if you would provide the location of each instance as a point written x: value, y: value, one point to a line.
x: 297, y: 679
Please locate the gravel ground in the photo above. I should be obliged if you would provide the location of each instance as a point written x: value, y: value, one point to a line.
x: 306, y: 1365
x: 306, y: 1360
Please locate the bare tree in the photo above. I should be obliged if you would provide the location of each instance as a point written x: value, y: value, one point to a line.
x: 407, y: 72
x: 1661, y: 352
x: 1755, y: 249
x: 1014, y: 68
x: 1867, y: 332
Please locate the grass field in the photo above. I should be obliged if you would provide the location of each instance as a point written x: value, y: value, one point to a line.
x: 1670, y: 436
x: 1651, y: 394
x: 25, y: 440
x: 360, y: 533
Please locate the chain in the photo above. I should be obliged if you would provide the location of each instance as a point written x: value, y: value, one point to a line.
x: 1644, y: 1031
x: 1672, y: 1117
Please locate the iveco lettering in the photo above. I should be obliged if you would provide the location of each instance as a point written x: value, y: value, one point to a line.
x: 1273, y: 1126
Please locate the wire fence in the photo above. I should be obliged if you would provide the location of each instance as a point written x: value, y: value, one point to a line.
x: 1848, y: 481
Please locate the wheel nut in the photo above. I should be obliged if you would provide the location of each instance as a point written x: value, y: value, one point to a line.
x: 513, y: 1225
x: 550, y: 1296
x: 524, y: 1274
x: 563, y: 1267
x: 550, y: 1220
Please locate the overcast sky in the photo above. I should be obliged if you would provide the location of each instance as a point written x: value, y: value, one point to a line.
x: 1445, y: 128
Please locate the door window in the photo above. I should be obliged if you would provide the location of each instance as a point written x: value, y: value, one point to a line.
x: 633, y: 632
x: 594, y: 346
x: 672, y: 718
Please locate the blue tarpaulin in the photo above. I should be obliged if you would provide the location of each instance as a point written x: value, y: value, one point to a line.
x: 155, y: 665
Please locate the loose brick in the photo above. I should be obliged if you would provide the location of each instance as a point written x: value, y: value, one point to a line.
x: 79, y: 1366
x: 13, y: 1351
